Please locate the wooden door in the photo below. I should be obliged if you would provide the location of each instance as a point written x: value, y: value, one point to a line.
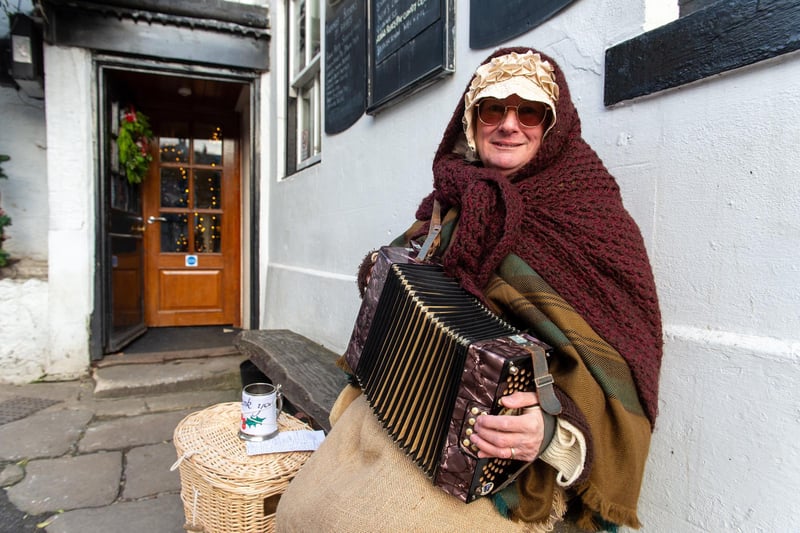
x: 121, y: 249
x: 192, y: 215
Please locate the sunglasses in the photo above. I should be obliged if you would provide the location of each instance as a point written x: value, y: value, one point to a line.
x: 492, y: 111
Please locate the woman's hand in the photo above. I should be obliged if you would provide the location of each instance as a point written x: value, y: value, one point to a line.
x: 511, y: 436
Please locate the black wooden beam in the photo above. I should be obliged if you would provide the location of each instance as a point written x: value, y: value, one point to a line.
x: 213, y: 43
x: 246, y: 15
x: 724, y: 36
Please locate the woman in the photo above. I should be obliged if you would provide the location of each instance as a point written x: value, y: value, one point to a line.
x: 534, y: 226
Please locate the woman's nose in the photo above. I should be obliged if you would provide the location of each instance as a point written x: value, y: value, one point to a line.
x: 510, y: 119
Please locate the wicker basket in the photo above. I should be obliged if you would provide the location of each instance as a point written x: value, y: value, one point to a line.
x: 223, y: 489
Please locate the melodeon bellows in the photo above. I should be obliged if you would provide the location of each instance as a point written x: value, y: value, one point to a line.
x: 430, y: 358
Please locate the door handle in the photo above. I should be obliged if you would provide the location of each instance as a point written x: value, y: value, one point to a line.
x: 152, y: 219
x: 138, y: 229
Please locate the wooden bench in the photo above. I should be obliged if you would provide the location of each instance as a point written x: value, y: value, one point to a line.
x: 306, y: 371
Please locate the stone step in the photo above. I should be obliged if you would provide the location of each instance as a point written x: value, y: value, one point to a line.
x: 181, y: 375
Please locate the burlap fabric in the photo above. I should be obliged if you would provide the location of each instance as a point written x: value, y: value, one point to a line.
x: 359, y: 481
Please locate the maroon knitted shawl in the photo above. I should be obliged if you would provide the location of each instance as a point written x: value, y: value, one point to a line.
x: 563, y: 215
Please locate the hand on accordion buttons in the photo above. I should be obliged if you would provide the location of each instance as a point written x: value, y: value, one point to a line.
x: 511, y: 436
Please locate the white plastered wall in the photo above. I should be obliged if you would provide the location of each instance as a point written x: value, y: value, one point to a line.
x: 45, y: 322
x: 71, y: 155
x: 709, y: 171
x: 23, y: 197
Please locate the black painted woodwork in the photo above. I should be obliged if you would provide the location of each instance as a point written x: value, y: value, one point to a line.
x: 685, y: 7
x: 724, y: 36
x: 492, y: 22
x: 345, y: 64
x: 219, y: 10
x: 163, y: 35
x: 411, y: 44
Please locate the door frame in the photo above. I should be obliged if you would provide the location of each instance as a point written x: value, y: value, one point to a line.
x: 100, y: 322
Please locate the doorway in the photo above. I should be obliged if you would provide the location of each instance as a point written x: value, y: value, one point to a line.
x: 171, y: 247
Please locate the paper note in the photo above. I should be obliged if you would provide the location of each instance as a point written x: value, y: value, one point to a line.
x: 287, y: 441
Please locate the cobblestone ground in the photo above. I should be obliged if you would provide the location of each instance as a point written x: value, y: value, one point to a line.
x: 12, y: 520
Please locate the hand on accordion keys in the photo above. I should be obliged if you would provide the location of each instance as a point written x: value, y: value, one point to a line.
x: 512, y: 436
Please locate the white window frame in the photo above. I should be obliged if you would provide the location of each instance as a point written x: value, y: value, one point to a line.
x: 304, y: 82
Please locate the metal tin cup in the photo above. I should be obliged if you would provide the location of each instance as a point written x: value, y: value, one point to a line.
x: 261, y: 404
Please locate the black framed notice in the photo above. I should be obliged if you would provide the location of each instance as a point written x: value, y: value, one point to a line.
x: 411, y: 45
x: 492, y: 22
x: 345, y: 64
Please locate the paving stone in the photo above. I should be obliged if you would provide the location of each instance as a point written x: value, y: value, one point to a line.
x: 68, y: 483
x: 147, y: 471
x: 70, y: 456
x: 158, y: 515
x: 192, y: 399
x: 11, y: 474
x: 44, y: 434
x: 12, y: 520
x: 122, y: 433
x: 117, y: 407
x: 62, y: 391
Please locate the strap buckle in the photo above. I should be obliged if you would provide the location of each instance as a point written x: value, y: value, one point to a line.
x: 544, y: 381
x: 541, y: 376
x: 426, y: 246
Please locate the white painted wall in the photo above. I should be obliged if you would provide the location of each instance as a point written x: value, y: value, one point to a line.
x: 709, y: 171
x: 45, y: 334
x: 23, y: 329
x: 23, y: 195
x: 71, y: 155
x: 22, y: 137
x: 23, y: 300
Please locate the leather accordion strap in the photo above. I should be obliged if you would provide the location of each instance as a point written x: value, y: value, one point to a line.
x: 432, y: 240
x: 548, y: 433
x: 544, y: 381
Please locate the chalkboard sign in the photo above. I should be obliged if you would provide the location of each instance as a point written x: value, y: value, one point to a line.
x: 411, y: 45
x: 345, y: 64
x: 492, y: 22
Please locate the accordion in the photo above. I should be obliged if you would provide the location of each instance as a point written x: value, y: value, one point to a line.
x: 430, y: 359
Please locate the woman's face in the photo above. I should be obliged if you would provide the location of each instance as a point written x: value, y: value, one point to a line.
x: 508, y: 145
